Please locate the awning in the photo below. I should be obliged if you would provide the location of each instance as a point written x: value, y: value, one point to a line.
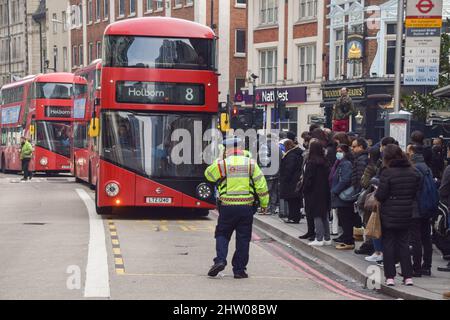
x: 443, y: 92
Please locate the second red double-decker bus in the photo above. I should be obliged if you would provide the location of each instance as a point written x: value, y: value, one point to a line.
x: 86, y: 88
x: 39, y: 108
x: 158, y: 83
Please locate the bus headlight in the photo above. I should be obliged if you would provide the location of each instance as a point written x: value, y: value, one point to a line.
x: 204, y: 191
x: 43, y: 161
x: 112, y: 189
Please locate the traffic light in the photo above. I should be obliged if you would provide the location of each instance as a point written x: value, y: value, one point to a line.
x: 235, y: 111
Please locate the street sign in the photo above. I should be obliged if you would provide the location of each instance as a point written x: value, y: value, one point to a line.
x: 422, y: 44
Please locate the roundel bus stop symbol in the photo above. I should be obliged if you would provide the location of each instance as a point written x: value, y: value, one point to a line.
x: 425, y: 6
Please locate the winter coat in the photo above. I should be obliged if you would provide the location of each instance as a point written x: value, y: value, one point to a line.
x: 26, y: 150
x: 396, y: 193
x: 359, y: 166
x: 316, y: 189
x: 444, y: 189
x: 341, y: 180
x: 419, y: 163
x: 438, y: 156
x: 343, y: 108
x: 290, y: 171
x: 330, y: 153
x: 369, y: 173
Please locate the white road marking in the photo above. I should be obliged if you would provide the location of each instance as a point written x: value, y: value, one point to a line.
x: 97, y: 272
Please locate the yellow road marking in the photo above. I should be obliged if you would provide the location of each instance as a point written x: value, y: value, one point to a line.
x: 114, y: 241
x: 116, y: 251
x: 118, y: 261
x: 113, y: 233
x: 184, y: 228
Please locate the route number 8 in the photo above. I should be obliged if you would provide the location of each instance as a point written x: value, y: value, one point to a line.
x: 189, y: 94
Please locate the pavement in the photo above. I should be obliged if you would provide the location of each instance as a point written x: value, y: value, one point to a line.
x: 353, y: 265
x: 53, y: 247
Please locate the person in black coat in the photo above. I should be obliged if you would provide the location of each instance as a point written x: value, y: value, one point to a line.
x: 417, y: 139
x: 290, y: 171
x: 397, y: 191
x: 316, y: 192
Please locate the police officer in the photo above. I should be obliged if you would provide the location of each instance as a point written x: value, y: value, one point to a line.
x: 240, y: 183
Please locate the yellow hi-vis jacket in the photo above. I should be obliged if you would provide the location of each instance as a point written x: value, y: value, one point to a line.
x: 239, y: 179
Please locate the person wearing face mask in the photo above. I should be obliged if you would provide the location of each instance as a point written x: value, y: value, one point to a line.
x: 340, y: 179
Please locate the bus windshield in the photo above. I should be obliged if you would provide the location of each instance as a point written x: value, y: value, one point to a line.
x: 143, y: 142
x: 52, y: 90
x: 54, y: 136
x: 163, y: 53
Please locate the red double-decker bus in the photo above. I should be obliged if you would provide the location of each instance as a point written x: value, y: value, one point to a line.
x: 39, y: 108
x: 158, y: 82
x: 86, y: 88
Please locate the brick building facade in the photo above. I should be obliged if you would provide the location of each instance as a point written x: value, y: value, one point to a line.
x: 86, y: 35
x: 285, y: 50
x: 360, y: 55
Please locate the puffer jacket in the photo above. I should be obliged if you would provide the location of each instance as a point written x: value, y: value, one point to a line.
x: 359, y: 166
x: 397, y: 192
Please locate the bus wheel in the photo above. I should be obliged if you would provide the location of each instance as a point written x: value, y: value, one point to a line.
x: 102, y: 210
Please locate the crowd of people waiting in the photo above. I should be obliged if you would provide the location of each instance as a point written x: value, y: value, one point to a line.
x: 337, y: 180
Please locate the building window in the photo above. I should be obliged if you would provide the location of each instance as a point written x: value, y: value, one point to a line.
x: 268, y: 66
x: 339, y: 54
x: 159, y: 4
x: 391, y: 35
x: 105, y: 9
x: 268, y: 12
x: 97, y: 10
x: 307, y: 63
x: 99, y: 49
x: 132, y: 7
x: 55, y: 23
x: 149, y: 6
x: 121, y: 8
x: 74, y: 56
x: 308, y: 9
x: 240, y: 41
x: 239, y: 83
x: 80, y: 7
x: 65, y: 66
x: 90, y: 51
x: 241, y: 1
x: 189, y: 2
x: 64, y: 21
x: 89, y: 11
x: 178, y: 3
x: 80, y: 56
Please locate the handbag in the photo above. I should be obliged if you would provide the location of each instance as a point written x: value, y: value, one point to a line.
x: 349, y: 194
x: 371, y: 202
x: 373, y: 227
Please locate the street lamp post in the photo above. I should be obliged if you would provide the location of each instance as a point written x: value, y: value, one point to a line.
x: 254, y: 77
x: 398, y: 56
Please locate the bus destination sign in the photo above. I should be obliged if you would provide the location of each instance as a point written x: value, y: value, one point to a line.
x: 160, y: 93
x: 57, y: 112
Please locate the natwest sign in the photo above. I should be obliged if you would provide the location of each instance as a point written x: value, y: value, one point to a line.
x: 267, y: 96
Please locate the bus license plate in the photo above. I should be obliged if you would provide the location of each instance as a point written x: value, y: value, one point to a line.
x: 158, y: 200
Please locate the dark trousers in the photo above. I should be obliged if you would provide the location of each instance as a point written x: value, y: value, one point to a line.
x: 396, y: 247
x: 294, y: 209
x: 25, y: 169
x: 272, y: 186
x: 347, y: 219
x: 311, y: 225
x: 420, y: 239
x: 239, y: 219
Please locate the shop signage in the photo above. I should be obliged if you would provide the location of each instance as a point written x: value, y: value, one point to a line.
x: 355, y: 46
x: 267, y: 96
x: 334, y: 93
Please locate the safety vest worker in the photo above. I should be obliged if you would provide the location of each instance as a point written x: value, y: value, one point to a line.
x: 241, y: 184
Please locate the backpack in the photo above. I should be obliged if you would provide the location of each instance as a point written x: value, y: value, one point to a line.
x: 428, y: 199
